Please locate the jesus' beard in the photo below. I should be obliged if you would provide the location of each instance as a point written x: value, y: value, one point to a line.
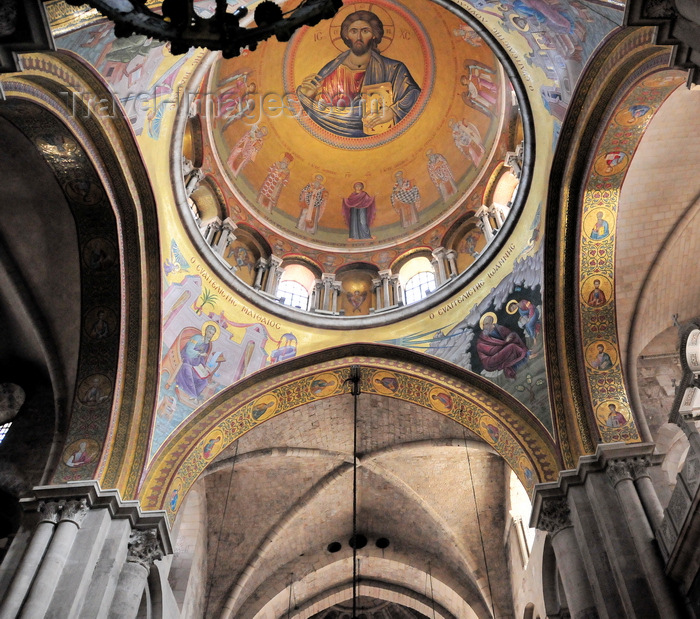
x: 360, y: 48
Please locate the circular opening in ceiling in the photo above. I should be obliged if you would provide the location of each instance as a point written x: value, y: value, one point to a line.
x: 357, y: 541
x: 315, y: 201
x: 382, y: 543
x: 334, y: 547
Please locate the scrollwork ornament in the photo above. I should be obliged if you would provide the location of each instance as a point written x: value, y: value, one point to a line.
x: 144, y: 547
x: 554, y: 516
x: 618, y: 470
x: 639, y: 467
x: 74, y: 511
x: 49, y: 511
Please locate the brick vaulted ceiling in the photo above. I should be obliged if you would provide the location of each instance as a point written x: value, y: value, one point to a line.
x: 275, y: 501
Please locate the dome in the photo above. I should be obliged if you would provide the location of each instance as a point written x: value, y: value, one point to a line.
x: 389, y: 131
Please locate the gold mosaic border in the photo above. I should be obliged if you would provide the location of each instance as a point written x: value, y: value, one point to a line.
x: 527, y: 449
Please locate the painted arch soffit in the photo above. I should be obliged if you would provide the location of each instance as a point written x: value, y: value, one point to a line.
x: 85, y: 152
x: 470, y: 400
x: 613, y: 418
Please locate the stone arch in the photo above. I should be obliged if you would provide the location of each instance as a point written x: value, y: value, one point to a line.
x: 446, y: 603
x: 60, y: 104
x: 587, y: 181
x: 462, y: 396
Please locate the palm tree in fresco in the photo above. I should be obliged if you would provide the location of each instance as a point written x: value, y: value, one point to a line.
x: 207, y: 298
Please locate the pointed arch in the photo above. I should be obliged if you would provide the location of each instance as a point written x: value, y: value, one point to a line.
x: 472, y: 401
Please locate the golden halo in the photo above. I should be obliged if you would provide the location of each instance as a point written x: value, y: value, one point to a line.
x: 213, y: 324
x: 379, y: 11
x: 514, y: 304
x: 481, y: 320
x: 520, y: 28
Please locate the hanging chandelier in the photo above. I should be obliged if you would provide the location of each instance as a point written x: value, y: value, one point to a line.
x: 184, y: 28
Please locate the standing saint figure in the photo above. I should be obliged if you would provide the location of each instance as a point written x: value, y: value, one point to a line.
x: 313, y: 198
x: 360, y: 92
x: 275, y: 181
x: 405, y: 200
x: 467, y: 139
x: 441, y: 174
x: 358, y: 210
x: 246, y: 149
x: 481, y: 92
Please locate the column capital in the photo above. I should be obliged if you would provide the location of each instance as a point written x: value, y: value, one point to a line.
x: 73, y: 500
x: 229, y: 224
x: 639, y: 466
x: 49, y: 511
x: 144, y: 547
x: 618, y: 470
x: 554, y: 515
x: 74, y: 511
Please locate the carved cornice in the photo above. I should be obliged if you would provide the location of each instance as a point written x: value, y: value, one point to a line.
x: 676, y: 25
x: 72, y: 501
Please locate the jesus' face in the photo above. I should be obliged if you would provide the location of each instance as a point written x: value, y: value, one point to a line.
x: 360, y: 37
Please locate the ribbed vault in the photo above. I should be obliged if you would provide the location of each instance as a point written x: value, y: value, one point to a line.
x: 280, y: 495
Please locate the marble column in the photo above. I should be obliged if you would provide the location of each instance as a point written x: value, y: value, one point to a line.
x: 315, y: 296
x: 144, y: 549
x: 226, y: 237
x: 438, y: 263
x: 639, y: 467
x: 211, y: 230
x: 396, y: 290
x: 335, y: 291
x: 500, y: 213
x: 261, y: 267
x: 273, y: 275
x: 513, y: 162
x: 554, y: 518
x: 377, y: 292
x: 485, y: 223
x: 620, y: 475
x: 451, y: 256
x: 72, y: 514
x: 12, y: 602
x: 327, y: 282
x: 193, y: 181
x: 385, y: 276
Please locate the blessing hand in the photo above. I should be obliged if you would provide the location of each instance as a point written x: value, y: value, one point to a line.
x: 310, y: 85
